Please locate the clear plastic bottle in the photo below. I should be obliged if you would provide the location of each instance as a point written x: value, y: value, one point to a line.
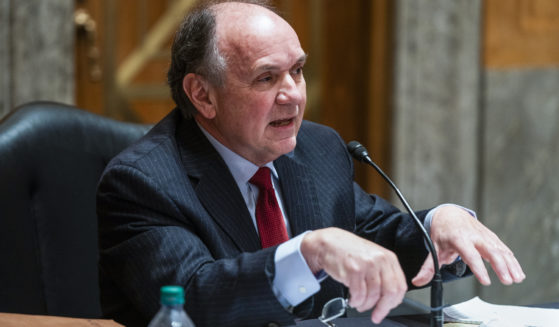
x: 172, y: 312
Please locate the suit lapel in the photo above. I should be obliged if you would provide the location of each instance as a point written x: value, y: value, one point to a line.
x: 218, y: 192
x: 299, y: 195
x: 216, y: 188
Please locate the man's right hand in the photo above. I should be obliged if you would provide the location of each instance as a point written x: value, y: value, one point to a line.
x: 372, y: 273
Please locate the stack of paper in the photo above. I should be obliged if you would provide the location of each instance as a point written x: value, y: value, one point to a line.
x: 476, y: 311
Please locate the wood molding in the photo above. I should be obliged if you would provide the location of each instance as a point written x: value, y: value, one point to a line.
x: 521, y: 33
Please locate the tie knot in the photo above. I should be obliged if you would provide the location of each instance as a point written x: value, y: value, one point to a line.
x: 262, y: 179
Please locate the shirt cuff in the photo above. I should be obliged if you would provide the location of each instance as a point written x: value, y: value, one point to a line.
x: 293, y: 281
x: 429, y: 218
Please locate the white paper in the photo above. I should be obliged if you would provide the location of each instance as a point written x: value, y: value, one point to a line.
x: 493, y: 315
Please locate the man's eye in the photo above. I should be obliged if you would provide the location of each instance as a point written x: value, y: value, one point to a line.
x: 264, y: 79
x: 298, y: 71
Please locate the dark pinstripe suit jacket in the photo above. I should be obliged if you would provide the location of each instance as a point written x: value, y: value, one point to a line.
x: 170, y: 212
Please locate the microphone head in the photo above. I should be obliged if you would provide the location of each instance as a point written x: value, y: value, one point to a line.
x: 357, y: 150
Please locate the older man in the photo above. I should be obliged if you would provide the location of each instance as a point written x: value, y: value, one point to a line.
x: 253, y: 210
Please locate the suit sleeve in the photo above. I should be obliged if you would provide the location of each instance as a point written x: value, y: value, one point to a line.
x: 146, y: 242
x: 379, y: 221
x: 384, y: 224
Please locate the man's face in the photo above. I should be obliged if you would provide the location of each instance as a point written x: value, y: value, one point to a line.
x: 259, y: 109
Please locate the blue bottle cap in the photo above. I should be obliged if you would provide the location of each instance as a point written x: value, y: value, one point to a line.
x: 172, y: 295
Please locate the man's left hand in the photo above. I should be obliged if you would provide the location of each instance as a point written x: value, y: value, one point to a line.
x: 456, y: 233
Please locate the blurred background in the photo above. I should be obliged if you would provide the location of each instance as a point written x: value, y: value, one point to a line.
x: 458, y: 100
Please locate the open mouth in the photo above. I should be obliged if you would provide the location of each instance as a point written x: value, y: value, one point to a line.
x: 281, y: 122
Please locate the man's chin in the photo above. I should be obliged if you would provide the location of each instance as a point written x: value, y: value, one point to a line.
x: 284, y: 146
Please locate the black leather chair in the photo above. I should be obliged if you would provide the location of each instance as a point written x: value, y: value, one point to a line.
x: 51, y: 158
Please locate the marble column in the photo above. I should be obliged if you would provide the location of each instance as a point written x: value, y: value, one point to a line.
x: 5, y: 100
x: 436, y: 98
x: 520, y: 184
x: 38, y: 52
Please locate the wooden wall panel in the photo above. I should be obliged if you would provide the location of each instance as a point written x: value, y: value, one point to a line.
x: 89, y: 91
x: 349, y: 73
x: 122, y: 30
x: 521, y: 33
x: 380, y: 110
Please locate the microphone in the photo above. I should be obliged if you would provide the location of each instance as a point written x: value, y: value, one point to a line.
x: 360, y: 153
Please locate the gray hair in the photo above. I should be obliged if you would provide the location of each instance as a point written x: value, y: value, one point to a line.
x: 195, y: 50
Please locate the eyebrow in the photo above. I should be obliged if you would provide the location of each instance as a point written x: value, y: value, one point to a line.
x: 302, y: 59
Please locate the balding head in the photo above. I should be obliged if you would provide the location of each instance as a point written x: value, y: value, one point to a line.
x: 238, y: 20
x: 195, y: 48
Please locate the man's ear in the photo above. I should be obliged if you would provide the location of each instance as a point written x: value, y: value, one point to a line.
x: 198, y: 91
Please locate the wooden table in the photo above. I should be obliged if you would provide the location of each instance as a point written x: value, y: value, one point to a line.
x: 18, y: 320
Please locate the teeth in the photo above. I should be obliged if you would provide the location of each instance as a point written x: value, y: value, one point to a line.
x: 281, y: 123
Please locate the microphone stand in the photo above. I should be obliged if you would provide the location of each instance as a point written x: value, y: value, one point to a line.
x: 359, y: 152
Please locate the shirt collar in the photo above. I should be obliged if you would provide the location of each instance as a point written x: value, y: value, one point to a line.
x: 241, y: 169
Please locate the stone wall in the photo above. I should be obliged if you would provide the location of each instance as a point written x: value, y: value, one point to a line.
x: 487, y: 139
x: 520, y: 184
x: 5, y: 99
x: 36, y: 52
x: 436, y: 99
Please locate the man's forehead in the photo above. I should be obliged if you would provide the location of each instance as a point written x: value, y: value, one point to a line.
x: 246, y: 32
x: 268, y: 63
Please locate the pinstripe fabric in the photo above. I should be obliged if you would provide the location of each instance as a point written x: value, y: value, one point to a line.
x: 170, y: 213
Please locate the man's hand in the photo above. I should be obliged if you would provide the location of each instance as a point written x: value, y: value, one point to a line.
x: 372, y: 273
x: 455, y: 232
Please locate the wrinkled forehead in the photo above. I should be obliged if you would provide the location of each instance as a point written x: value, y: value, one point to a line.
x: 246, y: 32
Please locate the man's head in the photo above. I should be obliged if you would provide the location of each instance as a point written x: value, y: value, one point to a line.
x: 253, y: 102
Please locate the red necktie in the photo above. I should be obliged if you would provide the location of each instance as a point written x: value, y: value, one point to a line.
x: 269, y: 219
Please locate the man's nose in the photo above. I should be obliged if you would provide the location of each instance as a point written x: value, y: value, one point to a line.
x: 291, y: 91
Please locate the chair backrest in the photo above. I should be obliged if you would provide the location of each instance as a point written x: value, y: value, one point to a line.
x: 51, y: 158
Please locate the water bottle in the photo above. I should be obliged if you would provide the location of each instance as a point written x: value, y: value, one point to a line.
x: 172, y: 312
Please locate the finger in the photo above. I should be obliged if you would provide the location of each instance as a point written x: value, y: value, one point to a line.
x: 426, y: 273
x: 474, y: 260
x: 498, y: 264
x: 373, y: 290
x: 383, y: 308
x: 357, y: 290
x: 504, y: 263
x: 393, y: 289
x: 512, y: 264
x: 518, y: 274
x: 515, y: 270
x: 447, y: 257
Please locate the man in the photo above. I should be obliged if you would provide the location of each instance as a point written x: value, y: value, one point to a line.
x: 183, y: 205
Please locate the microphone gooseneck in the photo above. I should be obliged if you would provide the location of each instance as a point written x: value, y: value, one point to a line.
x: 360, y: 153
